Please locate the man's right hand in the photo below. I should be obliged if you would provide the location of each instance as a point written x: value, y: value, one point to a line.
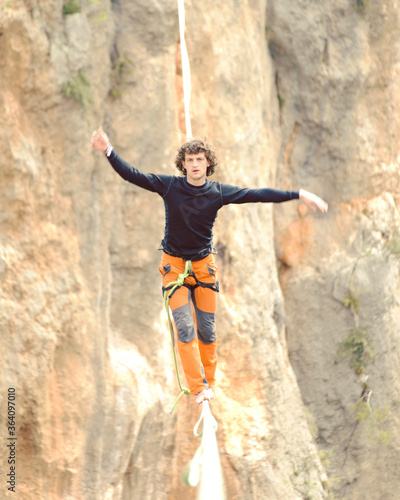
x: 100, y: 140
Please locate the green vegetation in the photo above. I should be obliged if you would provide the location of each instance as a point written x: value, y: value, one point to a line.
x: 394, y: 246
x: 362, y: 5
x: 304, y: 467
x: 358, y: 347
x: 79, y: 88
x: 328, y: 482
x: 102, y: 16
x: 312, y: 425
x: 122, y: 66
x: 325, y: 456
x: 281, y: 101
x: 308, y: 493
x: 352, y: 302
x: 71, y: 7
x: 374, y: 418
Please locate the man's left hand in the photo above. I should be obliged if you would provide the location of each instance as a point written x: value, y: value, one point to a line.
x: 312, y: 201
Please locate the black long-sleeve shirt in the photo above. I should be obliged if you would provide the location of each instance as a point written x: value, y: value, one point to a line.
x: 190, y: 211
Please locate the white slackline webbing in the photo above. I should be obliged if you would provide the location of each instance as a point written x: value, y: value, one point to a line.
x: 185, y: 67
x: 204, y: 470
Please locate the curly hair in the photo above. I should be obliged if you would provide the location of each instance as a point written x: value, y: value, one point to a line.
x: 194, y: 146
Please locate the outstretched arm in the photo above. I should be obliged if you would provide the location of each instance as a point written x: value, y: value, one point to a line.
x: 234, y: 194
x: 152, y: 182
x: 313, y: 201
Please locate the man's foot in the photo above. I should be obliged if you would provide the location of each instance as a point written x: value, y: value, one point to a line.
x: 206, y: 394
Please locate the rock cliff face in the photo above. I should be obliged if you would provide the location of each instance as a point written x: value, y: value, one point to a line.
x: 292, y: 95
x: 337, y: 73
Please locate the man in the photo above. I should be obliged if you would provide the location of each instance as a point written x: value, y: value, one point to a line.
x: 191, y: 205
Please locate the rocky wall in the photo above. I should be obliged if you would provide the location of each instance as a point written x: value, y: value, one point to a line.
x: 288, y: 101
x: 337, y: 77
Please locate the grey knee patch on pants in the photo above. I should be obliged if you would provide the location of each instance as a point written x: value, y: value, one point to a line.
x: 206, y: 326
x: 184, y: 323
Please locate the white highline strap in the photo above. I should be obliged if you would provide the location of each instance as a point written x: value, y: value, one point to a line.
x: 204, y: 470
x: 185, y: 67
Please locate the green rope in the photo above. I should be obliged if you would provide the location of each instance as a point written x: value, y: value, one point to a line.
x: 167, y: 295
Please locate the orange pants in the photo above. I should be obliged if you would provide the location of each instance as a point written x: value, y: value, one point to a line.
x: 197, y: 346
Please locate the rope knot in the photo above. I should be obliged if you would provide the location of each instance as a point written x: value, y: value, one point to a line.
x: 180, y: 280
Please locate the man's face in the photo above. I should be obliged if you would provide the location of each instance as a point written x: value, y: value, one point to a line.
x: 196, y: 168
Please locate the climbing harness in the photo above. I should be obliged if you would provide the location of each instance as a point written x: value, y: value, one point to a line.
x: 201, y: 254
x: 168, y: 291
